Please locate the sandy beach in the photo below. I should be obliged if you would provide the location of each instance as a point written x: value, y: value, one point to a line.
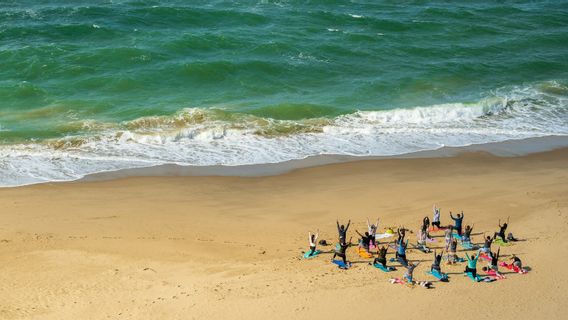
x: 230, y: 247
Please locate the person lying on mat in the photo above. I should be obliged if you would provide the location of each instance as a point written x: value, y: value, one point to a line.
x: 313, y: 240
x: 381, y: 256
x: 341, y: 251
x: 342, y: 230
x: 457, y: 222
x: 471, y: 266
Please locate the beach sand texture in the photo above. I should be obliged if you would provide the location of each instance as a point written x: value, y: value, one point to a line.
x: 230, y: 247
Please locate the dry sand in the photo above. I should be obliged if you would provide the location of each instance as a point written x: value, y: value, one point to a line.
x: 229, y: 247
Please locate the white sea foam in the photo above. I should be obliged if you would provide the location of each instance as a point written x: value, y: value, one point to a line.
x: 198, y: 137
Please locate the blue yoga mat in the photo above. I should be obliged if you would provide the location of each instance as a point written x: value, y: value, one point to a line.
x: 341, y: 264
x: 387, y: 269
x: 307, y: 255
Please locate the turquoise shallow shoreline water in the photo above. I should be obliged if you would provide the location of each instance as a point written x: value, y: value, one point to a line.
x: 89, y: 86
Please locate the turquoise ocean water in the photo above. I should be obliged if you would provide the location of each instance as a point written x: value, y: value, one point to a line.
x: 90, y: 86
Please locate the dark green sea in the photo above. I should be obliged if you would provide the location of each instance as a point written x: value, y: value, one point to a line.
x: 91, y: 86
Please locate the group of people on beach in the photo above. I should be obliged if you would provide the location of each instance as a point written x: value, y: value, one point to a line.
x: 369, y: 247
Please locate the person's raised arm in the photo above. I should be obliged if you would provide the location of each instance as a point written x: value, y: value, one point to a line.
x: 348, y: 224
x: 359, y: 233
x: 309, y: 236
x: 451, y: 216
x: 498, y: 252
x: 500, y: 223
x: 368, y: 223
x: 337, y: 221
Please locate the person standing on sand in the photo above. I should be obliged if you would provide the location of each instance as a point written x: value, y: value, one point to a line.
x: 457, y: 222
x: 342, y: 230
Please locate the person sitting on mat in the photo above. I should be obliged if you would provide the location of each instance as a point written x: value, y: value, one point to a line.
x: 436, y: 264
x: 422, y: 237
x: 495, y: 261
x: 471, y: 266
x: 342, y: 230
x: 381, y: 256
x: 452, y: 253
x: 409, y: 271
x: 517, y: 262
x: 401, y: 252
x: 457, y: 222
x: 467, y: 234
x: 366, y: 240
x: 487, y: 245
x: 436, y: 219
x: 502, y: 229
x: 341, y: 251
x: 313, y: 240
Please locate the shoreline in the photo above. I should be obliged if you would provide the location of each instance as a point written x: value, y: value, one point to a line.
x: 509, y: 148
x: 204, y: 247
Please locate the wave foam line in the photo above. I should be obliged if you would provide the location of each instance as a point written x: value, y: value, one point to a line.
x: 203, y: 137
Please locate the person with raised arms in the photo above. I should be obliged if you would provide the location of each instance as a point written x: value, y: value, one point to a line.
x: 366, y: 240
x: 457, y: 222
x: 436, y: 218
x: 471, y: 266
x: 312, y: 238
x: 342, y: 230
x: 401, y: 252
x: 341, y: 251
x: 502, y: 230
